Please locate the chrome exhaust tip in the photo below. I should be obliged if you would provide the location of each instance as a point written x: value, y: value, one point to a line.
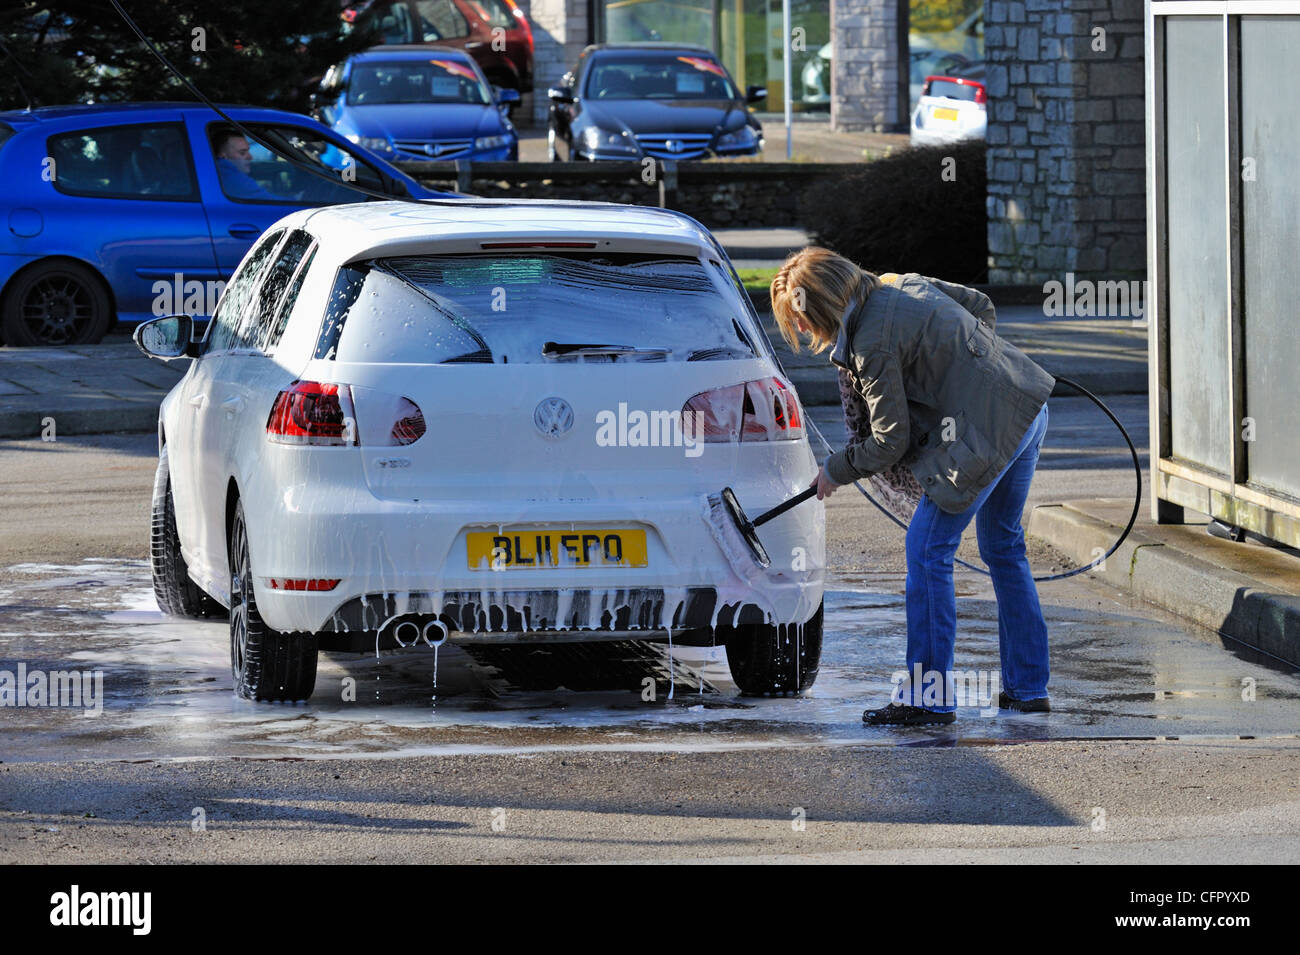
x: 435, y: 633
x: 406, y: 633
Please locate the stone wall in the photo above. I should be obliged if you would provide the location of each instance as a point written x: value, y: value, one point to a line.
x: 560, y: 32
x: 864, y: 66
x: 735, y: 195
x: 1066, y: 160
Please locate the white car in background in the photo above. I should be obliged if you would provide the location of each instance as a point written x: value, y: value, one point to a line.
x: 409, y: 421
x: 951, y: 108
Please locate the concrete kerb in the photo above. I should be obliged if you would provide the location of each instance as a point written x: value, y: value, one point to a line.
x: 1223, y: 600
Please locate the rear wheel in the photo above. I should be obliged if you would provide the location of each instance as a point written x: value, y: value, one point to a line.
x: 176, y: 593
x: 776, y: 660
x: 55, y: 303
x: 266, y: 664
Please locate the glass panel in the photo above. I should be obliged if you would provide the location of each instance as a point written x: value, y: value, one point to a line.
x: 1199, y: 401
x: 124, y: 162
x: 224, y: 333
x: 249, y: 172
x: 532, y: 309
x: 620, y: 75
x: 286, y: 305
x: 1270, y: 235
x: 945, y: 38
x: 440, y: 79
x: 440, y: 20
x: 256, y: 326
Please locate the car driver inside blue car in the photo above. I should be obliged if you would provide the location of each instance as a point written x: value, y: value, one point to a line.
x: 234, y: 161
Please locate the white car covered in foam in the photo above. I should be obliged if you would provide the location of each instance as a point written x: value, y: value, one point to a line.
x: 482, y: 421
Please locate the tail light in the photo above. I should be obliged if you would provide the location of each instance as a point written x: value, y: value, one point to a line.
x: 321, y: 414
x: 981, y: 96
x: 761, y: 410
x: 409, y: 428
x: 308, y: 412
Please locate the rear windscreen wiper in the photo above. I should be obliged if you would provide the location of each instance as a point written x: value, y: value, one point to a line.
x: 559, y: 349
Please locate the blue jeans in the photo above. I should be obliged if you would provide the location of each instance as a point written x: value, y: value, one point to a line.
x: 932, y: 540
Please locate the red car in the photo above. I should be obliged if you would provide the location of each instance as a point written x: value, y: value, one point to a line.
x: 495, y: 32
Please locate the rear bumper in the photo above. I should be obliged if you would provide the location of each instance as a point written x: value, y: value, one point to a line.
x: 395, y: 558
x: 538, y: 616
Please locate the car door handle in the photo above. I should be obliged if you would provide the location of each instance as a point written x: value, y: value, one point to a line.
x: 244, y: 230
x: 197, y: 401
x: 473, y: 44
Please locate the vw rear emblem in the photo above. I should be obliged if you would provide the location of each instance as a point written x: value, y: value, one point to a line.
x: 553, y: 417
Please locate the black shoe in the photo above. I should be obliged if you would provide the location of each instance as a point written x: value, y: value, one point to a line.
x: 1040, y: 705
x: 900, y: 714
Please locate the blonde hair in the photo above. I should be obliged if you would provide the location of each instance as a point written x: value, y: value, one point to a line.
x: 817, y: 285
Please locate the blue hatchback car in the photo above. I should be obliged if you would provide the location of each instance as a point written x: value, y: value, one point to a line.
x: 135, y: 210
x: 418, y: 102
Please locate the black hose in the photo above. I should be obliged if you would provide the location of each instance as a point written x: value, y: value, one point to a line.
x: 1137, y: 497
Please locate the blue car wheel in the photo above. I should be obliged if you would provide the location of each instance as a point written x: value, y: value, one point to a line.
x: 55, y: 303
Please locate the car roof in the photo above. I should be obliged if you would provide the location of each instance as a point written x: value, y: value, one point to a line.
x: 650, y: 46
x: 79, y: 114
x: 359, y: 230
x: 410, y: 51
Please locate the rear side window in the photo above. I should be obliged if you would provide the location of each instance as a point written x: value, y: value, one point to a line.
x: 285, y: 308
x: 6, y: 133
x: 533, y: 308
x: 264, y: 322
x: 227, y: 324
x: 124, y: 162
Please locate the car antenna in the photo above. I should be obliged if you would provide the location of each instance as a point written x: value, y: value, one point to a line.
x: 247, y: 134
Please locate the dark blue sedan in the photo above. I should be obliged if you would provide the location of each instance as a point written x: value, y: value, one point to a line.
x: 418, y: 103
x: 131, y: 211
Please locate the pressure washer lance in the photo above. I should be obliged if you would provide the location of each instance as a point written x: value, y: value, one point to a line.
x: 726, y: 517
x: 749, y: 529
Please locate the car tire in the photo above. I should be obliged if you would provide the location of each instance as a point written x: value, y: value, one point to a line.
x: 775, y: 660
x: 266, y: 665
x: 55, y: 303
x: 177, y: 595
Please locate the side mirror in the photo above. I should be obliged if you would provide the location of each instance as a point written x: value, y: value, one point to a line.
x: 505, y: 97
x: 167, y: 338
x: 560, y: 94
x: 754, y: 94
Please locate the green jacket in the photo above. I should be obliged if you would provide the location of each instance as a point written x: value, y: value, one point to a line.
x: 948, y: 398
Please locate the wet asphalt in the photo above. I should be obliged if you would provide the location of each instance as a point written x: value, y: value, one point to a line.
x: 1188, y: 742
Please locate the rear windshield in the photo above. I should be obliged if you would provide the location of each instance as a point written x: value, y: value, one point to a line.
x: 953, y: 90
x: 534, y: 308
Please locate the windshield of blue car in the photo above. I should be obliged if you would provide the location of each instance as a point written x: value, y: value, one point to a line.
x: 660, y: 76
x: 437, y: 80
x: 534, y: 308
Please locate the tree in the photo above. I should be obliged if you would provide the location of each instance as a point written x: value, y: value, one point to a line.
x: 254, y: 52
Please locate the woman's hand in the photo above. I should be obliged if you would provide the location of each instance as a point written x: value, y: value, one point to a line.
x: 825, y: 486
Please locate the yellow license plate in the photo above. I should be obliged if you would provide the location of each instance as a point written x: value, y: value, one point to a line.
x: 548, y: 549
x: 946, y: 114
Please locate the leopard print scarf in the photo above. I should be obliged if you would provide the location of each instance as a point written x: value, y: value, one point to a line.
x: 895, y: 487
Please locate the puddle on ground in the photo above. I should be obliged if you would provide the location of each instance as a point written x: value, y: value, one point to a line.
x: 167, y: 688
